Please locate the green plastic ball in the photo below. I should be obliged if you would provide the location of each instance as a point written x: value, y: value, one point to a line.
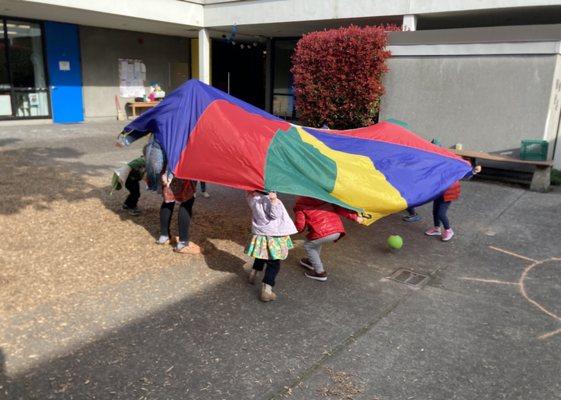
x: 395, y: 242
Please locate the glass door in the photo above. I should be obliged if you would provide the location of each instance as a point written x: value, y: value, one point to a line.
x: 23, y: 82
x: 5, y: 86
x: 283, y: 87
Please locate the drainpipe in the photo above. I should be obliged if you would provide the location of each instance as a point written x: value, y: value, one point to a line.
x: 556, y: 135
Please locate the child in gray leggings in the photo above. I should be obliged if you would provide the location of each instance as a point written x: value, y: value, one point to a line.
x: 324, y: 225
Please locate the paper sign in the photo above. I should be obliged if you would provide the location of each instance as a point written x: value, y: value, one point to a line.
x: 132, y: 74
x: 64, y: 65
x: 33, y: 99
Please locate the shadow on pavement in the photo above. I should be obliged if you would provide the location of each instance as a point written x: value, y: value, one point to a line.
x: 8, y: 141
x: 38, y: 176
x: 4, y: 381
x: 216, y: 344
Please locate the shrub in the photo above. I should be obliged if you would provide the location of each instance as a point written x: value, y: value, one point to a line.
x: 337, y: 76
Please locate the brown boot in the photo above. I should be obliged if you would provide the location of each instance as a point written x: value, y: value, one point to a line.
x: 267, y: 294
x: 191, y: 248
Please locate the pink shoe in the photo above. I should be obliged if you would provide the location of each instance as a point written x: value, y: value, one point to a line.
x: 447, y: 235
x: 433, y: 231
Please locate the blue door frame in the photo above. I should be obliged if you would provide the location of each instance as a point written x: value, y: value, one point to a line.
x: 65, y: 72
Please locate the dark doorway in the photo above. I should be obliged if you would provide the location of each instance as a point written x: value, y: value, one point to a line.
x: 239, y: 68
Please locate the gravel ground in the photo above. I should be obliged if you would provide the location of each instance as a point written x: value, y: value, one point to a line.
x: 65, y: 231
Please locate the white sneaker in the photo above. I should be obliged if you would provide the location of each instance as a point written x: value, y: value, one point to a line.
x: 322, y: 277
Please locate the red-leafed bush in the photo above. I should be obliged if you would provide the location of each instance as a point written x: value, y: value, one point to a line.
x: 337, y: 76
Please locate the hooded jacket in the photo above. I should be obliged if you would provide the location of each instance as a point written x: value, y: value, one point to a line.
x: 320, y: 218
x: 269, y: 219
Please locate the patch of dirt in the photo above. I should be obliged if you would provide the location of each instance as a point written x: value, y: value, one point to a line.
x: 63, y: 232
x: 342, y: 386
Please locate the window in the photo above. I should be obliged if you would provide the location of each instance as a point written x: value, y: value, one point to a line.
x: 4, y: 77
x: 23, y: 83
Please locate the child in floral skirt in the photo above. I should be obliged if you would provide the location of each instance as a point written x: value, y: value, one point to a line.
x: 271, y: 228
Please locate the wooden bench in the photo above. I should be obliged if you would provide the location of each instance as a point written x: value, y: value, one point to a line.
x: 541, y: 178
x: 141, y: 104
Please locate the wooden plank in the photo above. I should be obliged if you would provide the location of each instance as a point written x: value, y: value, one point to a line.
x: 141, y: 104
x: 144, y: 103
x: 497, y: 157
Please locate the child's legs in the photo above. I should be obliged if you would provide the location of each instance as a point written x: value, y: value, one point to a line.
x: 313, y: 250
x: 259, y: 264
x: 435, y: 207
x: 166, y: 211
x: 203, y: 186
x: 133, y: 186
x: 442, y: 214
x: 273, y: 267
x: 185, y: 214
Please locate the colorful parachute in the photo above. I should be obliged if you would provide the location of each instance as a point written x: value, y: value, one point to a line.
x: 211, y: 136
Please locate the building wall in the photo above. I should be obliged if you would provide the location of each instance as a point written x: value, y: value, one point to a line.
x: 167, y: 59
x: 168, y: 17
x: 485, y: 102
x: 259, y: 12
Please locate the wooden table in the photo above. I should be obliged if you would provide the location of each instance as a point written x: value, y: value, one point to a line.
x: 541, y: 179
x: 141, y: 104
